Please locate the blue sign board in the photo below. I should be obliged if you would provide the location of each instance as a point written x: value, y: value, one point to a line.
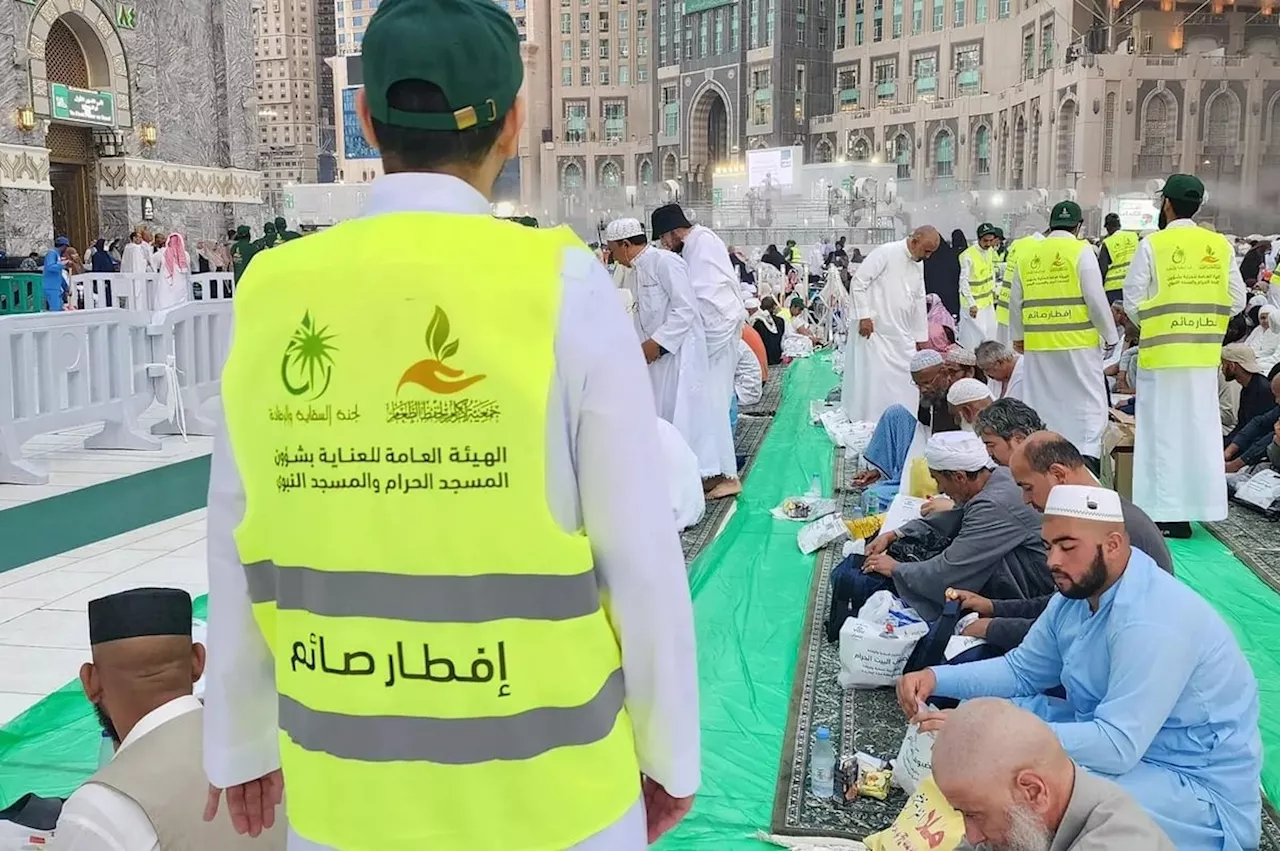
x: 354, y: 146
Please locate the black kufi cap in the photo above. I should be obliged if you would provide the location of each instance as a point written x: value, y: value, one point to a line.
x: 139, y: 612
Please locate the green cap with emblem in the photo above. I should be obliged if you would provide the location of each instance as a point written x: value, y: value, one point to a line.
x: 469, y: 48
x: 1065, y: 214
x: 1183, y: 187
x: 243, y: 232
x: 986, y: 229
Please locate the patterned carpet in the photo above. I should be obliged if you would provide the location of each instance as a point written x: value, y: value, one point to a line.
x: 771, y: 398
x: 1254, y: 539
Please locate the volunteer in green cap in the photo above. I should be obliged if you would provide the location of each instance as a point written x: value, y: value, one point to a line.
x: 1118, y: 248
x: 282, y: 229
x: 978, y: 289
x: 1060, y: 319
x: 1182, y: 288
x: 434, y: 685
x: 270, y: 239
x: 242, y: 251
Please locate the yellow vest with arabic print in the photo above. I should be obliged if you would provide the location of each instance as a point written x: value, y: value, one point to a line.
x: 1054, y: 314
x: 1006, y: 279
x: 1121, y: 246
x: 448, y: 676
x: 981, y: 275
x: 1184, y: 322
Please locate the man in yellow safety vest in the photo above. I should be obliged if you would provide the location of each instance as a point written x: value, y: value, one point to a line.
x: 416, y: 513
x: 1006, y: 283
x: 978, y: 289
x: 1182, y: 288
x: 1118, y: 248
x: 1060, y: 318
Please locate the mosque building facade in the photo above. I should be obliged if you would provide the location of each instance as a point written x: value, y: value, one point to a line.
x: 114, y: 115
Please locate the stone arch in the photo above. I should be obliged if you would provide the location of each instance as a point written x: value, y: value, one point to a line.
x: 1159, y: 122
x: 670, y: 166
x: 1222, y: 121
x: 1068, y: 114
x: 709, y: 123
x: 104, y: 54
x: 942, y: 150
x: 824, y: 151
x: 572, y: 178
x: 982, y: 150
x: 901, y: 153
x: 645, y: 171
x: 859, y: 147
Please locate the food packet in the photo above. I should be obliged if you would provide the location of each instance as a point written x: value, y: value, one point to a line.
x: 874, y: 784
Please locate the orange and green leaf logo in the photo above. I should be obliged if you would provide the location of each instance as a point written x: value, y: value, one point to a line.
x: 307, y: 366
x: 434, y: 374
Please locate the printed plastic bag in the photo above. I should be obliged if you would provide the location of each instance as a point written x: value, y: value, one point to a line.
x: 871, y: 656
x: 915, y: 759
x: 825, y: 530
x: 926, y: 823
x: 883, y: 607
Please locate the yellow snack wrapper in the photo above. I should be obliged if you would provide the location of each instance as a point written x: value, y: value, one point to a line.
x: 874, y: 784
x: 926, y: 823
x: 920, y: 484
x: 864, y: 527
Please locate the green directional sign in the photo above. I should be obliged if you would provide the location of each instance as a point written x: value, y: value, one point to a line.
x: 82, y: 106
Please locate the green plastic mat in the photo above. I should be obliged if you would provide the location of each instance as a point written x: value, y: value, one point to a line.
x: 52, y: 747
x: 749, y: 591
x: 1253, y: 612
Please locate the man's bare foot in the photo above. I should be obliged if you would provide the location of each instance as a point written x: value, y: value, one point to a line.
x: 710, y: 484
x: 726, y: 488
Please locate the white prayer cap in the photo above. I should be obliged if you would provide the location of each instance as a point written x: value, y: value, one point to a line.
x: 956, y: 452
x: 1256, y: 301
x: 961, y: 356
x: 1085, y: 502
x: 619, y: 229
x: 968, y: 390
x: 924, y: 359
x: 752, y: 304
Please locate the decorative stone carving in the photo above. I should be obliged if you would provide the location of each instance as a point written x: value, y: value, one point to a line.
x: 23, y: 167
x: 157, y: 179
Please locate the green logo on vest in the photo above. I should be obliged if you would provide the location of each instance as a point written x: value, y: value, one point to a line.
x: 307, y: 365
x: 1179, y: 257
x: 434, y: 374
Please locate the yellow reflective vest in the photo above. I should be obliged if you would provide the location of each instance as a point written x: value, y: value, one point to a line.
x: 1184, y: 322
x: 1006, y: 278
x: 1121, y: 246
x: 1054, y: 314
x: 981, y: 276
x: 440, y: 686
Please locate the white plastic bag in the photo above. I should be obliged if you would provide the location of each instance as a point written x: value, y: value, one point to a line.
x: 813, y: 508
x: 915, y: 758
x: 870, y: 657
x: 884, y: 607
x: 825, y: 530
x: 15, y: 837
x: 1262, y: 489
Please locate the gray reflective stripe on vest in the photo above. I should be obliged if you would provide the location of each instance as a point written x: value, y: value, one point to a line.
x: 1165, y: 309
x: 1175, y: 339
x: 1063, y: 301
x: 1049, y: 329
x: 986, y: 280
x: 423, y: 599
x: 453, y: 741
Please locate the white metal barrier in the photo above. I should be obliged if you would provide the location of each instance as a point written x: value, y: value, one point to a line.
x: 213, y: 286
x: 74, y: 368
x: 138, y: 292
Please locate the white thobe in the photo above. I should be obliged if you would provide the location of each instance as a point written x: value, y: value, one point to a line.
x: 683, y: 477
x: 973, y: 331
x: 888, y: 289
x: 135, y: 259
x: 1067, y: 388
x: 720, y: 303
x: 1015, y: 387
x: 173, y: 288
x: 666, y: 313
x: 748, y: 386
x: 604, y: 478
x: 98, y: 818
x: 1178, y: 471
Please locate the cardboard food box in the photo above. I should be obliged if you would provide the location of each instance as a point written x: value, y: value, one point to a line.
x: 1117, y: 453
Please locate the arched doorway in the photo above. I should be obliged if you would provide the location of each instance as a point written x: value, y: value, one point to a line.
x: 708, y: 140
x: 75, y: 60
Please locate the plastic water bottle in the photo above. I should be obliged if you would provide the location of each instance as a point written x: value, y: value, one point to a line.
x: 822, y: 766
x: 106, y: 749
x: 815, y: 486
x: 870, y: 503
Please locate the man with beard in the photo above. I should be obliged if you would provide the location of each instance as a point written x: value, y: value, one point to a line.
x: 720, y: 303
x: 1039, y: 464
x: 140, y: 683
x: 1007, y: 774
x: 1159, y: 697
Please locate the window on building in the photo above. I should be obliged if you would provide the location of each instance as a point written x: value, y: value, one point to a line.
x: 980, y: 11
x: 800, y: 90
x: 642, y: 45
x: 847, y: 88
x: 1109, y: 133
x: 857, y: 34
x: 604, y: 22
x: 753, y: 24
x: 885, y: 74
x: 642, y: 19
x: 1046, y: 46
x: 624, y: 49
x: 924, y: 69
x: 944, y: 155
x: 768, y: 22
x: 338, y: 6
x: 704, y: 44
x: 897, y: 19
x: 357, y: 20
x: 615, y: 121
x: 917, y: 17
x: 822, y: 35
x: 982, y: 150
x: 1003, y: 10
x: 967, y: 63
x: 624, y: 22
x: 877, y: 29
x: 584, y: 49
x: 938, y: 10
x: 688, y: 38
x: 575, y: 121
x: 900, y: 151
x: 1028, y: 54
x: 719, y: 32
x: 604, y: 49
x: 342, y: 38
x: 624, y: 75
x: 566, y: 23
x: 584, y: 22
x: 642, y: 73
x: 604, y: 75
x: 958, y: 8
x: 566, y: 75
x: 734, y: 25
x: 584, y: 77
x: 670, y: 112
x: 357, y: 4
x: 840, y: 36
x: 566, y: 50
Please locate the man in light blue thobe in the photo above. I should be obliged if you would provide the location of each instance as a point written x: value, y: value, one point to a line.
x: 1160, y: 698
x: 53, y: 282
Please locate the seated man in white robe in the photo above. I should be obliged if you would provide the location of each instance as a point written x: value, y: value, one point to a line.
x: 152, y: 793
x: 1003, y: 368
x: 683, y: 480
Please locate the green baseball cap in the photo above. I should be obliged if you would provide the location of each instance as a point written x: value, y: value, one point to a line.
x: 1183, y: 187
x: 1065, y: 214
x: 986, y: 229
x: 243, y: 232
x: 469, y: 48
